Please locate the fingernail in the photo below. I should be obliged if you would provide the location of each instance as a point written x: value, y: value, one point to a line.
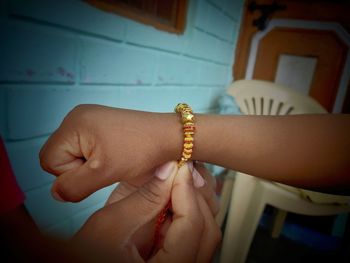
x: 190, y: 166
x: 198, y: 180
x: 56, y: 196
x: 164, y: 171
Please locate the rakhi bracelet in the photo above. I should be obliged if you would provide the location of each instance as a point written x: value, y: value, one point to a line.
x: 187, y: 119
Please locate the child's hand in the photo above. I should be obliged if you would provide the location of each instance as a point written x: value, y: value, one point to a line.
x: 96, y: 146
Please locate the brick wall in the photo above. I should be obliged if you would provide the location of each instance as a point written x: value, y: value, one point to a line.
x: 57, y: 54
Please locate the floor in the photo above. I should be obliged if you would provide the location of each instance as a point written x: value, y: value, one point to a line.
x: 303, y: 239
x: 266, y: 249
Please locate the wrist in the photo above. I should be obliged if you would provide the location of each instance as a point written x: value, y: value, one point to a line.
x: 201, y: 137
x: 168, y: 133
x: 169, y: 136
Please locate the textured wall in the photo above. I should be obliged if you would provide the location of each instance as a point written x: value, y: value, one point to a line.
x: 57, y: 54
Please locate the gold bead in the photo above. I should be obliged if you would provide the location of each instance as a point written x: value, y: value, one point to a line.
x: 188, y: 124
x: 185, y: 155
x: 188, y: 151
x: 188, y: 145
x: 188, y: 139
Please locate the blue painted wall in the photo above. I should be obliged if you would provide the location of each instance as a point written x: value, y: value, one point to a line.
x: 57, y: 54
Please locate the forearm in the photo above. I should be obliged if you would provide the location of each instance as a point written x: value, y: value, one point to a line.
x: 123, y: 145
x: 308, y: 151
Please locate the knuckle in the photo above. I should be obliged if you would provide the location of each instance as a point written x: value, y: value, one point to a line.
x: 152, y: 193
x: 80, y: 113
x: 79, y: 108
x: 42, y: 155
x: 47, y: 155
x: 216, y: 206
x: 211, y: 199
x: 198, y: 222
x: 44, y: 160
x: 214, y: 231
x: 100, y: 215
x: 217, y: 234
x: 206, y: 174
x: 99, y: 218
x: 125, y: 188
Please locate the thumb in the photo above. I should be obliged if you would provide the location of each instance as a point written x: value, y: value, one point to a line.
x: 116, y: 226
x: 183, y: 238
x: 147, y: 202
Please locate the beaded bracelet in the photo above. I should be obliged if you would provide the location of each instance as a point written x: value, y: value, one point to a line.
x: 187, y: 119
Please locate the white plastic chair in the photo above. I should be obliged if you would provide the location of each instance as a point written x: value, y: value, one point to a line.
x: 250, y: 195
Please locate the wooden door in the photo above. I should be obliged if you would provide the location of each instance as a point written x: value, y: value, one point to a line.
x: 305, y: 46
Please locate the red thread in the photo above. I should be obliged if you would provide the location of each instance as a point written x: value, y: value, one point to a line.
x: 160, y: 220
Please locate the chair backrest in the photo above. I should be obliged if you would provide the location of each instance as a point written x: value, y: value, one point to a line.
x: 257, y: 97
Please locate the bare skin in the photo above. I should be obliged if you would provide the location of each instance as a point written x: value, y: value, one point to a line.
x: 123, y: 230
x: 190, y: 235
x: 309, y: 151
x: 96, y: 146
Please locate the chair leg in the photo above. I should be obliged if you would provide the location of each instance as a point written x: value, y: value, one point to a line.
x: 225, y: 198
x: 339, y: 225
x: 278, y: 223
x: 244, y: 214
